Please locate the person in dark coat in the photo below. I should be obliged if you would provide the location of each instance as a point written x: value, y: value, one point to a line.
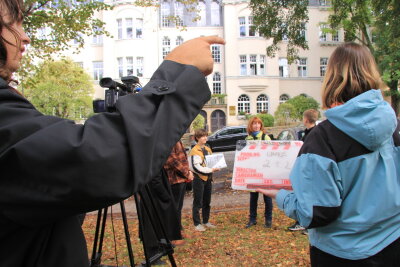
x: 53, y: 169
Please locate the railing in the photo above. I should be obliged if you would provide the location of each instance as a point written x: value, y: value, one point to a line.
x: 216, y: 100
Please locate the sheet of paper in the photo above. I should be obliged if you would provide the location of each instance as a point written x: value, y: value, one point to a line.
x: 216, y: 161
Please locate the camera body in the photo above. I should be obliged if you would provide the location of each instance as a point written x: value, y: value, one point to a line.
x: 129, y: 85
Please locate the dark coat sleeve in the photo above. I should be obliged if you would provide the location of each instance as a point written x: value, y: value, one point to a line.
x: 53, y: 168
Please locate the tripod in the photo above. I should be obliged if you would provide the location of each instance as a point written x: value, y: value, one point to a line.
x: 146, y: 199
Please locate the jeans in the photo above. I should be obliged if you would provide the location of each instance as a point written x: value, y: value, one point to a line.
x: 201, y: 199
x: 388, y: 257
x: 253, y: 207
x: 178, y: 192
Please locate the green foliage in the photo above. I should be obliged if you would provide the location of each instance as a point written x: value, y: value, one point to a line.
x: 62, y: 22
x: 281, y: 20
x: 60, y: 88
x: 198, y: 122
x: 300, y: 104
x: 267, y: 119
x: 285, y: 113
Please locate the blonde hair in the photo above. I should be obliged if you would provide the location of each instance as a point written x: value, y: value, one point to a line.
x: 351, y: 71
x: 250, y: 124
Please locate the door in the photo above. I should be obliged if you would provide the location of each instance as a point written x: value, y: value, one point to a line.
x: 218, y: 120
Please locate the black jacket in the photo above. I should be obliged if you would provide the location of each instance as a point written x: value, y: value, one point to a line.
x: 53, y: 169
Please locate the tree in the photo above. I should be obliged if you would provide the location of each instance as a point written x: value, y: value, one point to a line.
x: 373, y: 23
x: 52, y: 25
x: 267, y: 119
x: 300, y: 104
x: 60, y: 88
x: 284, y: 112
x: 198, y: 122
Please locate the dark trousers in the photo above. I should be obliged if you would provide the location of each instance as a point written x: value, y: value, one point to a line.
x: 178, y: 192
x: 201, y: 199
x: 253, y: 207
x: 388, y: 257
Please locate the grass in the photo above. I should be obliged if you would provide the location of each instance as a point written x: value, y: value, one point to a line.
x: 230, y: 244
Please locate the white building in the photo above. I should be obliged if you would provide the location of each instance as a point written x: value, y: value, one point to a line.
x: 244, y: 78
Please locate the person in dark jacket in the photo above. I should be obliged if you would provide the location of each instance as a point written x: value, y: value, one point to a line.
x: 53, y: 169
x: 346, y: 179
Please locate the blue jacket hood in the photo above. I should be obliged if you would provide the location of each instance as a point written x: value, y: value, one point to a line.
x: 366, y: 118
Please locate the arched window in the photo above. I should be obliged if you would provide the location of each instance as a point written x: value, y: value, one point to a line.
x: 262, y: 104
x: 202, y: 13
x: 165, y: 13
x: 244, y: 104
x: 283, y: 98
x: 166, y: 46
x: 215, y: 14
x: 179, y: 40
x: 179, y: 13
x: 217, y: 83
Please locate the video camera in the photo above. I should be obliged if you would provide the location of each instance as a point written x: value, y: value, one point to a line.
x: 129, y: 85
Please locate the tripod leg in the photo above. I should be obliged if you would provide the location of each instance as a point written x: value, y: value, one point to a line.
x: 96, y: 253
x: 96, y: 238
x: 141, y: 225
x: 127, y: 236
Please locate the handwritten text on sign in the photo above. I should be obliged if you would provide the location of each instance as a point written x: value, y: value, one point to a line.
x: 264, y: 164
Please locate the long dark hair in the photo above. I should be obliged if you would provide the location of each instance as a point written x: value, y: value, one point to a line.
x: 14, y: 10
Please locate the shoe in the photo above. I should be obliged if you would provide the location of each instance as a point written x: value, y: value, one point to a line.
x: 305, y: 232
x: 209, y: 225
x: 250, y: 224
x: 178, y: 242
x: 199, y: 228
x: 296, y: 227
x: 268, y: 224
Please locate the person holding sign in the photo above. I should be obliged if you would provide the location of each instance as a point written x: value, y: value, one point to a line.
x: 254, y: 129
x: 346, y: 179
x: 202, y: 181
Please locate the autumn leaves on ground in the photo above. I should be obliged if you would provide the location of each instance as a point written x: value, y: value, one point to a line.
x: 230, y: 244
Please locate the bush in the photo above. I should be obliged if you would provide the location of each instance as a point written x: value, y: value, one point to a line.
x: 267, y: 119
x: 285, y: 113
x: 198, y: 122
x: 302, y: 103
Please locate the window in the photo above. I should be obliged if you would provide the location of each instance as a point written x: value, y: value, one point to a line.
x: 247, y: 29
x: 120, y: 61
x: 165, y: 13
x: 242, y: 26
x: 202, y: 13
x: 217, y: 83
x: 322, y: 34
x: 262, y: 104
x: 126, y: 28
x: 323, y: 62
x: 243, y: 64
x: 335, y: 36
x: 139, y: 66
x: 97, y: 39
x: 324, y: 2
x: 129, y: 66
x: 216, y: 53
x: 302, y: 67
x: 303, y: 31
x: 139, y: 27
x: 179, y: 40
x: 215, y: 14
x: 166, y: 46
x: 255, y: 65
x: 244, y: 104
x: 283, y: 67
x: 179, y: 13
x: 97, y: 70
x: 283, y: 98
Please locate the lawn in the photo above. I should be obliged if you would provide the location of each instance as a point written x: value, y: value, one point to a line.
x: 230, y: 244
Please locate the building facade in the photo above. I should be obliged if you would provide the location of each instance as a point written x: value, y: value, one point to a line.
x: 244, y: 80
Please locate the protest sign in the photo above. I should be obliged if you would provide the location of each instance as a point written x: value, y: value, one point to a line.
x: 216, y: 161
x: 264, y: 164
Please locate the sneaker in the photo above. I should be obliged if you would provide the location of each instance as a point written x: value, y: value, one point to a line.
x: 296, y: 227
x: 250, y: 224
x: 209, y: 225
x: 199, y: 228
x: 268, y: 224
